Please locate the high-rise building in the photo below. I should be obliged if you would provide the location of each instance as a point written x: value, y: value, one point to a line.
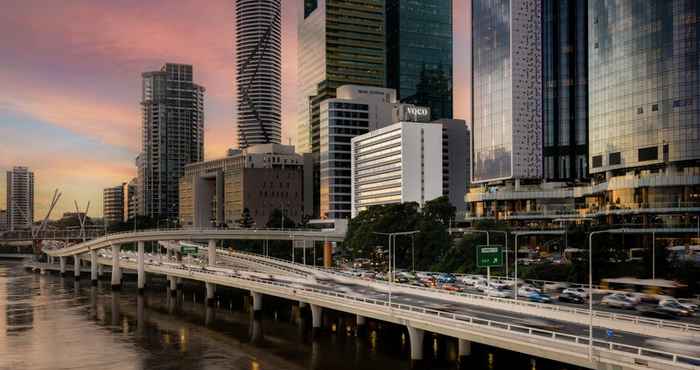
x: 506, y: 90
x: 118, y: 203
x: 419, y: 53
x: 20, y: 199
x: 455, y: 162
x: 3, y: 220
x: 644, y: 85
x: 261, y: 178
x: 341, y: 42
x: 259, y: 71
x: 398, y: 163
x: 356, y: 110
x: 113, y: 204
x: 172, y: 137
x: 565, y: 84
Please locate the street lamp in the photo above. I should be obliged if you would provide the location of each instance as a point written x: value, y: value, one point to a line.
x: 392, y: 255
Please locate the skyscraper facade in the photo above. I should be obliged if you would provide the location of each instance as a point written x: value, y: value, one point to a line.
x: 506, y: 90
x: 20, y: 199
x: 259, y: 71
x: 172, y: 136
x: 419, y: 53
x: 113, y: 204
x: 565, y: 88
x: 341, y: 42
x: 644, y: 85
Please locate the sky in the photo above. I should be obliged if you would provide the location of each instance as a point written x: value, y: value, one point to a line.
x: 71, y: 85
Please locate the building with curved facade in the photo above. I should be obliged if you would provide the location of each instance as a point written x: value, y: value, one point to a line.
x: 259, y: 71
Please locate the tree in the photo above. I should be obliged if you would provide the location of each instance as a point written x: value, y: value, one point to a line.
x: 246, y: 221
x: 279, y: 220
x: 440, y: 210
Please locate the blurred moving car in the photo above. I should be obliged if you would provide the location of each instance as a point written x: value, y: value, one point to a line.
x: 470, y: 279
x: 525, y: 291
x: 451, y: 287
x: 571, y: 298
x: 617, y: 300
x: 446, y: 278
x: 554, y: 286
x: 672, y: 306
x: 583, y: 293
x: 500, y: 293
x: 499, y: 284
x: 539, y: 297
x: 656, y: 312
x: 687, y: 303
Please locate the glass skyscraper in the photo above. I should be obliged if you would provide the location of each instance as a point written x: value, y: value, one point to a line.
x: 419, y: 53
x: 506, y: 90
x: 565, y: 88
x: 644, y: 87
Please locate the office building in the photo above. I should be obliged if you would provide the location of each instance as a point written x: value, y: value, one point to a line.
x: 172, y: 137
x: 399, y: 163
x: 3, y: 220
x: 455, y: 162
x: 565, y: 88
x: 643, y: 125
x: 343, y: 42
x: 20, y: 199
x: 419, y: 53
x: 356, y: 111
x: 131, y: 199
x: 261, y: 178
x: 506, y: 90
x: 259, y: 71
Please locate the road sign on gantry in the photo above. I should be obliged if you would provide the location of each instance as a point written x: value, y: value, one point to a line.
x: 489, y: 255
x: 186, y: 249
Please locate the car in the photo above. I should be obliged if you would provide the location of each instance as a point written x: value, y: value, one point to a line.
x: 451, y: 288
x: 499, y: 284
x: 525, y: 291
x: 635, y: 298
x: 571, y: 298
x: 673, y: 306
x: 583, y: 293
x: 470, y: 279
x: 688, y: 303
x: 554, y: 286
x: 446, y: 278
x: 539, y: 297
x: 656, y: 312
x: 481, y: 285
x: 495, y: 292
x: 617, y: 300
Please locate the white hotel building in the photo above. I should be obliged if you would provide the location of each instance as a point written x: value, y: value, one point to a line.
x: 396, y: 164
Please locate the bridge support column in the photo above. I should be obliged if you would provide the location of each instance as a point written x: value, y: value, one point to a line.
x: 76, y: 266
x: 327, y: 254
x: 416, y: 339
x: 99, y: 270
x: 465, y: 350
x: 93, y: 267
x: 316, y: 316
x: 173, y: 285
x: 62, y: 265
x: 116, y: 271
x: 361, y: 328
x: 211, y: 288
x: 140, y: 267
x: 212, y: 252
x: 257, y: 304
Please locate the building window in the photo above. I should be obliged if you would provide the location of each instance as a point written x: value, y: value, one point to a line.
x: 614, y: 159
x: 648, y: 154
x: 597, y: 161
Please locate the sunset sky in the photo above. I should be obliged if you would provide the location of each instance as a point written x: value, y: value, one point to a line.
x: 71, y: 72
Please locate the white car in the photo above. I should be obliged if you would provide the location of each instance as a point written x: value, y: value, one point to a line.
x: 495, y: 292
x: 583, y: 293
x: 499, y: 284
x: 635, y: 298
x: 685, y: 303
x: 470, y: 279
x: 481, y: 285
x: 525, y: 291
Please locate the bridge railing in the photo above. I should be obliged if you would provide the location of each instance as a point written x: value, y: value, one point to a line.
x: 462, y: 320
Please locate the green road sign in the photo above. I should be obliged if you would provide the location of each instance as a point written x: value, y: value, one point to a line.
x: 186, y: 249
x: 489, y: 255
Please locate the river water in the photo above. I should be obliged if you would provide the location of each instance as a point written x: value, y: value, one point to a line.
x: 49, y: 322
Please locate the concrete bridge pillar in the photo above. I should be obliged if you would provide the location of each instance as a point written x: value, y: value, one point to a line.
x: 361, y: 326
x: 93, y: 266
x: 42, y: 271
x: 99, y: 270
x: 327, y: 254
x: 212, y: 252
x: 302, y: 304
x: 76, y: 266
x: 257, y: 301
x: 211, y: 288
x: 116, y: 271
x: 316, y: 316
x: 173, y: 285
x: 62, y: 265
x: 465, y: 350
x: 168, y: 253
x: 416, y: 339
x: 140, y: 267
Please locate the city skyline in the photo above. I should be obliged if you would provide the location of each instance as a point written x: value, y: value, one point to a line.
x: 76, y: 94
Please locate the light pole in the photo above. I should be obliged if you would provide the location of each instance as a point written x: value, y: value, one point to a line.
x: 519, y: 233
x: 392, y: 254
